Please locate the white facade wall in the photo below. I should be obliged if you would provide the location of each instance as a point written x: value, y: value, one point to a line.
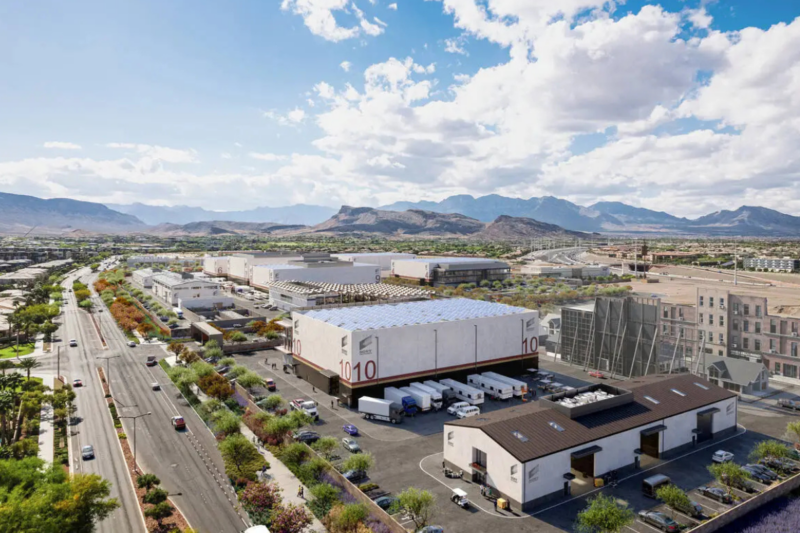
x: 216, y: 266
x: 242, y: 267
x: 411, y: 269
x: 143, y: 279
x: 383, y: 260
x: 190, y: 293
x: 352, y: 273
x: 410, y: 350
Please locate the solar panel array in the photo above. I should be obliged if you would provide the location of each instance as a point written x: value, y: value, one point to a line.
x: 411, y: 313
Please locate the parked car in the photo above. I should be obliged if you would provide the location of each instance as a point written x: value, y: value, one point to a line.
x: 761, y: 473
x: 236, y: 326
x: 743, y: 485
x: 132, y: 344
x: 271, y: 384
x: 73, y: 343
x: 794, y: 405
x: 716, y: 494
x: 87, y: 452
x: 307, y: 436
x: 155, y: 386
x: 172, y: 326
x: 597, y: 374
x: 350, y: 429
x: 659, y: 521
x: 178, y: 422
x: 386, y: 503
x: 453, y: 409
x: 77, y: 383
x: 721, y: 456
x: 354, y: 476
x: 351, y: 445
x: 693, y: 509
x: 431, y: 529
x: 151, y: 360
x: 222, y: 369
x: 211, y: 360
x: 779, y: 464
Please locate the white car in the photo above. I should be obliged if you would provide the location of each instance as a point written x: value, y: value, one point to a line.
x: 73, y: 343
x: 453, y: 409
x: 721, y: 456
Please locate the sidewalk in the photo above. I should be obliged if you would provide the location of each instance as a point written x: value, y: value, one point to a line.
x: 46, y: 429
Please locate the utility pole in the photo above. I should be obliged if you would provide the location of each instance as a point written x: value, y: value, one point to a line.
x: 135, y: 417
x: 108, y: 371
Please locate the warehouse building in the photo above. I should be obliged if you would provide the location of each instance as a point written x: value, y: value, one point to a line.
x: 772, y: 264
x: 303, y: 295
x: 550, y: 450
x: 144, y: 276
x: 315, y: 267
x: 240, y: 266
x: 189, y: 293
x: 216, y: 266
x: 566, y: 271
x: 351, y: 352
x: 382, y: 259
x: 450, y: 270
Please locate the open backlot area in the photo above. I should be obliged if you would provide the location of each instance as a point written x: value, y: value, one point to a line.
x: 410, y: 455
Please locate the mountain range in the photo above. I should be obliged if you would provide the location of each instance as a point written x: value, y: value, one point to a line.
x: 183, y: 214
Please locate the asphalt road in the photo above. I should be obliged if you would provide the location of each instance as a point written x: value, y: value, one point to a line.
x: 94, y: 425
x: 187, y: 462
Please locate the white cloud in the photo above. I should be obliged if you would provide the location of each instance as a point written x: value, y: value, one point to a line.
x: 238, y: 145
x: 392, y: 6
x: 267, y: 156
x: 62, y: 145
x: 157, y: 153
x: 318, y: 16
x: 454, y: 46
x: 346, y: 65
x: 292, y: 118
x: 296, y: 115
x: 225, y: 155
x: 380, y: 22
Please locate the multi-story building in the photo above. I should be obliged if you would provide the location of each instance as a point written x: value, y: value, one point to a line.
x: 450, y: 270
x: 187, y: 292
x: 772, y: 264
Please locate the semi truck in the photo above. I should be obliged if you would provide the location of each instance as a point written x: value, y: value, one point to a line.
x: 448, y: 394
x: 178, y: 312
x: 436, y: 396
x: 423, y: 399
x: 377, y: 409
x: 471, y: 395
x: 496, y: 389
x: 520, y: 388
x: 401, y: 398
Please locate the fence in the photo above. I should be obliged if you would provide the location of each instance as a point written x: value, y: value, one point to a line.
x: 244, y: 347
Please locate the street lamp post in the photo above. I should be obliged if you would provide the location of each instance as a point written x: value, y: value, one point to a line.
x: 108, y: 374
x: 135, y: 417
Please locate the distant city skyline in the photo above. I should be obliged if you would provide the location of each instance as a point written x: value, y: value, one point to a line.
x: 682, y: 106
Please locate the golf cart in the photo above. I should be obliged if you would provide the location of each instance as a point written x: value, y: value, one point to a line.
x: 460, y: 497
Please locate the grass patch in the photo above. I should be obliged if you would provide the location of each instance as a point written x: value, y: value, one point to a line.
x: 163, y: 364
x: 24, y: 349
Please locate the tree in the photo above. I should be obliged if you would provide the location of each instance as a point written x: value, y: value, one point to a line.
x: 278, y: 427
x: 82, y: 294
x: 28, y: 365
x: 729, y: 474
x: 202, y: 369
x: 604, y: 514
x: 419, y: 504
x: 242, y: 459
x: 159, y: 512
x: 226, y: 421
x: 227, y: 361
x: 273, y: 401
x: 147, y: 481
x: 674, y: 497
x: 361, y: 462
x: 212, y: 344
x: 769, y: 449
x: 299, y: 419
x: 289, y: 519
x: 6, y: 365
x: 86, y: 304
x: 259, y: 499
x: 347, y: 518
x: 155, y: 496
x: 793, y: 428
x: 325, y: 497
x: 238, y: 336
x: 216, y: 386
x: 175, y: 347
x: 249, y: 380
x: 48, y: 328
x: 212, y: 352
x: 325, y: 446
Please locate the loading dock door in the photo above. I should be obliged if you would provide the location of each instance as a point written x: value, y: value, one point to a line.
x: 650, y: 444
x: 582, y: 461
x: 704, y: 425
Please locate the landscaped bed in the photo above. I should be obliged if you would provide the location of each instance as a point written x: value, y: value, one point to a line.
x: 11, y: 351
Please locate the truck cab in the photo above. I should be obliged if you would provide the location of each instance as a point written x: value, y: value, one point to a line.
x: 307, y: 406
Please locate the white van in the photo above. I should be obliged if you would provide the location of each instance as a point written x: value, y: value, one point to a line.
x: 453, y: 409
x: 468, y: 411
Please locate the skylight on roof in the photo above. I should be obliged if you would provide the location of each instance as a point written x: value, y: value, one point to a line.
x: 701, y: 386
x: 651, y: 399
x: 555, y: 426
x: 520, y: 436
x: 679, y: 393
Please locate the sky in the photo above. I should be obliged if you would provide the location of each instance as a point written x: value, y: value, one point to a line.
x: 682, y: 106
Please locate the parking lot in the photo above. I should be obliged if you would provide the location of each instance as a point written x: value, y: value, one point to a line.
x: 410, y: 455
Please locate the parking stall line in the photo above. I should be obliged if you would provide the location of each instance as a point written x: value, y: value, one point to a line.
x: 648, y: 526
x: 713, y: 509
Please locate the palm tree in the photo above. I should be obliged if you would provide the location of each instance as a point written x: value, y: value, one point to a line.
x: 29, y: 364
x: 6, y: 365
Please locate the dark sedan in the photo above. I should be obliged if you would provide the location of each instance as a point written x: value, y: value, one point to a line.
x: 716, y: 494
x: 659, y: 521
x: 222, y: 369
x: 354, y: 476
x: 307, y: 436
x: 779, y: 464
x: 762, y: 475
x: 387, y: 503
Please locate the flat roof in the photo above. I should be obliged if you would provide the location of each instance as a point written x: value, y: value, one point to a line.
x: 547, y: 431
x: 452, y: 260
x: 411, y: 313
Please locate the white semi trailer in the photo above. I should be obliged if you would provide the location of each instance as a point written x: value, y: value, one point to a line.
x: 520, y: 387
x: 436, y: 396
x: 423, y: 399
x: 471, y: 395
x: 496, y: 389
x: 378, y: 409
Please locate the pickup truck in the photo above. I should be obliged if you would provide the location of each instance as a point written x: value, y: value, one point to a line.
x: 307, y: 406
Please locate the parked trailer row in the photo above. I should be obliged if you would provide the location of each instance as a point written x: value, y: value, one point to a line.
x: 436, y: 396
x: 422, y: 398
x: 377, y: 409
x: 520, y: 387
x: 495, y: 389
x: 469, y: 394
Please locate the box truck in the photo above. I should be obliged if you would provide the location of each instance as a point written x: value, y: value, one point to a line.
x: 448, y: 394
x: 401, y: 398
x: 423, y: 399
x: 495, y: 389
x: 469, y: 394
x: 520, y: 387
x: 436, y: 396
x: 377, y: 409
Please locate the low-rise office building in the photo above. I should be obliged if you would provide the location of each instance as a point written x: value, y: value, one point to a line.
x: 772, y: 264
x: 439, y: 271
x: 144, y: 277
x: 240, y: 266
x: 546, y: 451
x: 317, y: 267
x: 187, y: 292
x: 382, y: 259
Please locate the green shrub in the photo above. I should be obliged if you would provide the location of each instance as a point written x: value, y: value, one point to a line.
x: 122, y: 436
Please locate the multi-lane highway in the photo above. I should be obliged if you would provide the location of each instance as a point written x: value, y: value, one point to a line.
x: 94, y: 425
x: 188, y: 462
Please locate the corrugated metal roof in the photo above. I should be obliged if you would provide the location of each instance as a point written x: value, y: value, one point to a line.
x: 534, y: 421
x: 445, y: 260
x: 411, y: 313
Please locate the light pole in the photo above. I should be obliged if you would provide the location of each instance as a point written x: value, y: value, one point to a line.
x: 108, y: 373
x: 135, y: 417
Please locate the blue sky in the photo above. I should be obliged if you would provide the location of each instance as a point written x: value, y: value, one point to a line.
x: 239, y: 104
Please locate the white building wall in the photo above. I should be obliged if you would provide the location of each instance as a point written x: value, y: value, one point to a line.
x: 242, y: 267
x: 395, y: 353
x: 411, y: 269
x: 383, y: 260
x: 216, y: 266
x: 353, y: 273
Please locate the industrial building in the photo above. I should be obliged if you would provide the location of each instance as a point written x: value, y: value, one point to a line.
x: 566, y: 271
x: 553, y: 449
x: 450, y: 270
x: 216, y: 266
x: 298, y: 296
x: 315, y: 267
x: 772, y: 264
x: 382, y: 259
x: 351, y: 352
x: 240, y: 266
x: 185, y: 261
x: 144, y: 276
x: 189, y: 293
x: 33, y: 273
